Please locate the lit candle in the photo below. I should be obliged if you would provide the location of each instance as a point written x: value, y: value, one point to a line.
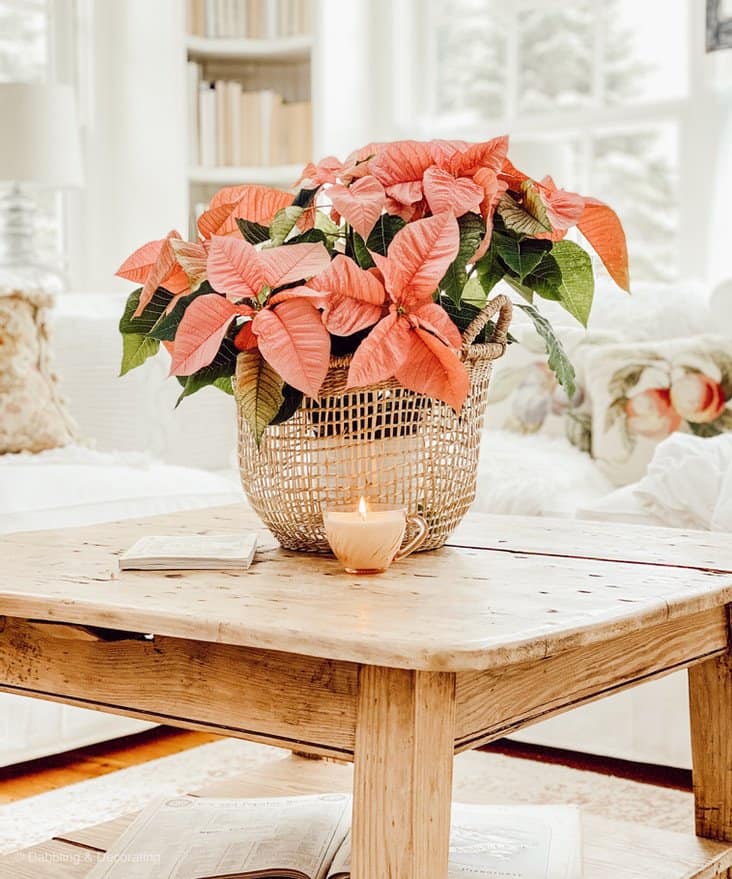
x: 366, y: 538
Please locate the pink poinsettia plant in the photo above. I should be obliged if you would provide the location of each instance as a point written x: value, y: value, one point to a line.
x: 385, y: 257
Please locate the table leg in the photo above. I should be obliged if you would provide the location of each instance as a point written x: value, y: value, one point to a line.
x: 710, y: 701
x: 403, y: 774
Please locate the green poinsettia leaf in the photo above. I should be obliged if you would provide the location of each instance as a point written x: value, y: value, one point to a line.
x: 312, y: 236
x: 525, y: 291
x: 464, y: 313
x: 577, y: 287
x: 283, y: 223
x: 255, y: 233
x: 167, y: 326
x: 305, y: 197
x: 291, y: 402
x: 360, y: 252
x: 136, y: 349
x: 546, y: 278
x: 224, y: 384
x: 149, y: 317
x: 527, y: 218
x: 223, y: 366
x: 330, y: 229
x: 489, y: 270
x: 520, y: 255
x: 472, y: 229
x: 473, y: 293
x: 383, y: 233
x: 258, y: 391
x: 558, y: 361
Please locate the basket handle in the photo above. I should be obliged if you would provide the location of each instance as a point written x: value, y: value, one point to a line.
x: 500, y: 304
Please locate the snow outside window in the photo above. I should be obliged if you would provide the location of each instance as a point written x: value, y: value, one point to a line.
x: 607, y: 82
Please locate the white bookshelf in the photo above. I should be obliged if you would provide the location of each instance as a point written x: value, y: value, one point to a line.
x: 275, y: 175
x: 281, y: 64
x: 296, y: 48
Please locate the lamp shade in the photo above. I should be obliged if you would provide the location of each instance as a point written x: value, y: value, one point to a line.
x: 40, y: 135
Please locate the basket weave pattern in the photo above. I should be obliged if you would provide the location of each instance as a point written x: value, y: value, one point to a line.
x: 384, y: 442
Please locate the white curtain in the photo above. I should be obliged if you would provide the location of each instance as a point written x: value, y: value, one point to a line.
x: 132, y: 92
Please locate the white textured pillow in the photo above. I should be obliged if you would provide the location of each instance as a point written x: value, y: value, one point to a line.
x: 722, y: 516
x: 651, y: 311
x: 682, y: 486
x: 621, y: 505
x: 535, y: 476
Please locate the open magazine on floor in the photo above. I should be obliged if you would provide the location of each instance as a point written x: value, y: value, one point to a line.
x: 309, y: 838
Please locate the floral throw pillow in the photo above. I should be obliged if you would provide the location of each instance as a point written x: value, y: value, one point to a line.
x: 643, y: 393
x: 33, y: 416
x: 525, y: 397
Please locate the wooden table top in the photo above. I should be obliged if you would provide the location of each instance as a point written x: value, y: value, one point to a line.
x: 507, y: 589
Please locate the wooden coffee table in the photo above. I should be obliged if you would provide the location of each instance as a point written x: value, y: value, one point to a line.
x: 516, y: 620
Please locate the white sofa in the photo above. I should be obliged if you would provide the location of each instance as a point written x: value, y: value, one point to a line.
x: 135, y: 427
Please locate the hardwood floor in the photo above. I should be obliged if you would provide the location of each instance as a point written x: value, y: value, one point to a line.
x: 50, y: 773
x: 41, y: 776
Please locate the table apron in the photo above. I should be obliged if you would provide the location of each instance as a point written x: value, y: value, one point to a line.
x: 285, y: 699
x: 496, y: 703
x: 310, y: 704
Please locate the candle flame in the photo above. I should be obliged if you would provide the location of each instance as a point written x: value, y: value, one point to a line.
x: 362, y: 508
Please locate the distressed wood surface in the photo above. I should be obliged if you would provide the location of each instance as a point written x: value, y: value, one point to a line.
x: 460, y: 608
x: 216, y: 687
x: 580, y: 538
x: 403, y: 774
x: 612, y: 849
x: 710, y: 703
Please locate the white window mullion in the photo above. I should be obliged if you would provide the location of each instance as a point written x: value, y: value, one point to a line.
x: 598, y: 64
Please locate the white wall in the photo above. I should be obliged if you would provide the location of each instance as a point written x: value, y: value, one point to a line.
x: 133, y: 105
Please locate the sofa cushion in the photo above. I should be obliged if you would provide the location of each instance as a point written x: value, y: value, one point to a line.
x: 79, y: 486
x: 138, y: 411
x: 33, y: 417
x: 642, y: 393
x: 535, y: 475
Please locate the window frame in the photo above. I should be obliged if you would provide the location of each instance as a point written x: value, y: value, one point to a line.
x: 694, y: 117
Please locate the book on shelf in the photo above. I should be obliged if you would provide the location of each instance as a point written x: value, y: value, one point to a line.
x: 208, y: 552
x: 249, y: 19
x: 309, y: 838
x: 233, y: 126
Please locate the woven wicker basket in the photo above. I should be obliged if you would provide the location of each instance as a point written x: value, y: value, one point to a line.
x: 384, y: 442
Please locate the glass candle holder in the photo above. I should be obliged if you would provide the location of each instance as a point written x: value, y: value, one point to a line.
x: 366, y: 538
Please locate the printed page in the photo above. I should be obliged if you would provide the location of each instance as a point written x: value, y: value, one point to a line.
x: 504, y: 842
x: 202, y: 837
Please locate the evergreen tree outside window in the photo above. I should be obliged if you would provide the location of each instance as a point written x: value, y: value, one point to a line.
x: 609, y: 79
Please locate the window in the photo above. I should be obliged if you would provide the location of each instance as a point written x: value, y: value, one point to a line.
x: 607, y: 83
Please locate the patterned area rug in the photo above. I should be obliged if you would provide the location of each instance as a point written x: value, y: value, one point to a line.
x: 489, y: 777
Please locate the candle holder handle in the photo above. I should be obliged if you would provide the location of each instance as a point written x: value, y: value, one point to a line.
x: 416, y: 541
